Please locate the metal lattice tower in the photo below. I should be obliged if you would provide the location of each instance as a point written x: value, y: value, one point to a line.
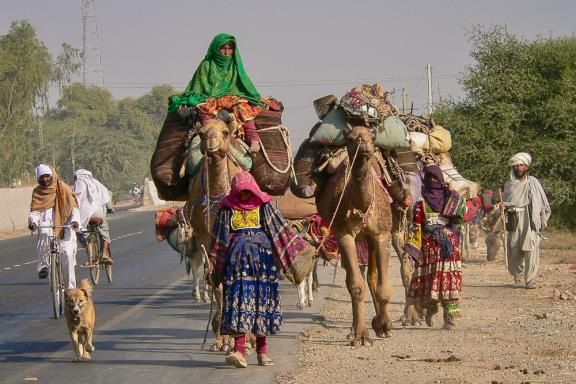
x: 91, y: 56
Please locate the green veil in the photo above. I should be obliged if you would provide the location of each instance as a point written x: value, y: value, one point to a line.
x: 217, y: 76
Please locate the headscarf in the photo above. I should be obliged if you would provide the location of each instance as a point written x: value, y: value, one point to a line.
x: 92, y: 195
x: 216, y: 76
x: 244, y: 181
x: 434, y: 191
x: 57, y: 195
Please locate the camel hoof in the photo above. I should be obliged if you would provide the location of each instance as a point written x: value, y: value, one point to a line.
x: 388, y: 334
x: 310, y: 303
x: 206, y: 299
x: 225, y: 348
x: 351, y: 336
x: 429, y: 319
x: 361, y: 342
x: 216, y: 347
x: 299, y: 306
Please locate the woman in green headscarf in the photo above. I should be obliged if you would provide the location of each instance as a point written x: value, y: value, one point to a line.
x: 220, y: 82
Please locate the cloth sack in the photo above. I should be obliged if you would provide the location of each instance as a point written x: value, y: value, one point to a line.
x: 331, y: 130
x: 392, y: 134
x: 440, y: 140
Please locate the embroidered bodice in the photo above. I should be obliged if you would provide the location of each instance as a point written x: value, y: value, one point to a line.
x: 245, y: 219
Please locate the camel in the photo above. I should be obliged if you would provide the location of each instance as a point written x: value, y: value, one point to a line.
x: 364, y: 212
x: 210, y: 185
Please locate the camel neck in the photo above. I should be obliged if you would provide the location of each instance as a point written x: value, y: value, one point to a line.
x: 361, y: 184
x: 218, y: 176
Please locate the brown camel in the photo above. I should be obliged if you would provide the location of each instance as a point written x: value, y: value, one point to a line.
x: 364, y: 212
x: 212, y: 183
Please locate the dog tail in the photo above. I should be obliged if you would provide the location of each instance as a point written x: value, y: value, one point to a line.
x: 86, y: 287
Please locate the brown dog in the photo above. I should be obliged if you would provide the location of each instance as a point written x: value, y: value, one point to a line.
x: 80, y: 317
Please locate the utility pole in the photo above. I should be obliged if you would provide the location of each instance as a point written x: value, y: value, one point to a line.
x: 439, y: 94
x: 429, y: 72
x: 404, y: 101
x: 91, y: 56
x: 73, y: 154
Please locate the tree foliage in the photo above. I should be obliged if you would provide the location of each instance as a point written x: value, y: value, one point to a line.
x: 520, y: 97
x: 114, y: 139
x: 26, y: 72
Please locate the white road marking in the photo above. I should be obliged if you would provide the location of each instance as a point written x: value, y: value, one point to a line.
x: 17, y: 265
x: 7, y: 268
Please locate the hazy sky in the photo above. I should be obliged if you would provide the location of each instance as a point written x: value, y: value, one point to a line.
x: 294, y: 50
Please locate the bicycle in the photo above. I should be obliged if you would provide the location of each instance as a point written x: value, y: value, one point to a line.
x: 94, y: 251
x: 56, y: 279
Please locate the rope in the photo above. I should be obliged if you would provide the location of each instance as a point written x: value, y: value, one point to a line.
x: 284, y: 134
x: 346, y: 180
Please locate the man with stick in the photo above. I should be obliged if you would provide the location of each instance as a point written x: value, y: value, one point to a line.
x: 527, y: 213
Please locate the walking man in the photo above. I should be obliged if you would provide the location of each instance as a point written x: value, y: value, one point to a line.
x: 527, y: 211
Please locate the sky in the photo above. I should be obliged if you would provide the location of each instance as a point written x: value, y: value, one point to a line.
x: 294, y: 50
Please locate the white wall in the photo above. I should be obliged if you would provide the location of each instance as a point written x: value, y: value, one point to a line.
x: 14, y: 208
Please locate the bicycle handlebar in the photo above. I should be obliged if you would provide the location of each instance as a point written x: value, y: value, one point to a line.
x: 54, y: 226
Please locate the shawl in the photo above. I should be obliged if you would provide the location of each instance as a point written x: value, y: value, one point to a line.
x: 216, y: 76
x: 529, y: 193
x: 434, y: 191
x: 292, y: 252
x: 244, y: 181
x: 91, y: 194
x: 57, y: 195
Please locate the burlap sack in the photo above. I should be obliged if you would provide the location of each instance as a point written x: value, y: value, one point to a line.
x: 168, y: 158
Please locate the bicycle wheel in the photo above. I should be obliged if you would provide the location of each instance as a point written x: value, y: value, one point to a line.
x: 55, y: 285
x: 61, y: 287
x: 93, y: 251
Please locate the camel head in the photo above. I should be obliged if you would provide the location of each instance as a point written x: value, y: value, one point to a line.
x: 215, y: 137
x: 360, y: 138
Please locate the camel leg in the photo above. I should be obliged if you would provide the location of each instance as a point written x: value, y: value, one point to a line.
x: 301, y: 294
x: 194, y: 261
x: 309, y: 281
x: 493, y: 243
x: 315, y: 281
x: 381, y: 323
x: 221, y: 343
x: 356, y: 287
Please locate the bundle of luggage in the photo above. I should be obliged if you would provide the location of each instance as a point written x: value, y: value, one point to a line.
x: 177, y: 158
x: 432, y: 143
x: 324, y: 152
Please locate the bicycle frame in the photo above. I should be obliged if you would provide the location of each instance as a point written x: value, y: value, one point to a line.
x: 56, y: 282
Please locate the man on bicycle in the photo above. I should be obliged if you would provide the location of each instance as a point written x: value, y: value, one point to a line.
x: 94, y: 202
x: 54, y: 203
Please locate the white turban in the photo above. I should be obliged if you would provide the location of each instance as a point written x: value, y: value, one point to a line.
x: 42, y: 170
x: 520, y: 158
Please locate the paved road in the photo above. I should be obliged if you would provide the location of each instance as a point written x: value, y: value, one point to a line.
x: 148, y: 328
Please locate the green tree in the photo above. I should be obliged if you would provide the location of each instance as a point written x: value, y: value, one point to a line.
x: 26, y: 72
x: 520, y: 97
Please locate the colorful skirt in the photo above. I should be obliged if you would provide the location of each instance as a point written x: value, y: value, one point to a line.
x: 251, y: 292
x: 436, y: 278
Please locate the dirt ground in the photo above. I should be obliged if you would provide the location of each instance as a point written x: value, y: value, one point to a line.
x: 507, y: 334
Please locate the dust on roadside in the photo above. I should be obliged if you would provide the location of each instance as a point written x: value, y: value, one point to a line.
x: 506, y: 334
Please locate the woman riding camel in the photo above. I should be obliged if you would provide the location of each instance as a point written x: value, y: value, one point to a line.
x: 220, y: 83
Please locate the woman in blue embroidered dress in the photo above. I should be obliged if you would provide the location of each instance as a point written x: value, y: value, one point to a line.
x: 250, y: 246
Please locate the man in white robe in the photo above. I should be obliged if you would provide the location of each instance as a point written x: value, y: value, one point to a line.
x: 54, y: 203
x: 528, y: 212
x: 94, y: 201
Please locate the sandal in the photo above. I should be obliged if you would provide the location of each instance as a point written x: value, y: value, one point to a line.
x: 236, y: 359
x: 264, y: 360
